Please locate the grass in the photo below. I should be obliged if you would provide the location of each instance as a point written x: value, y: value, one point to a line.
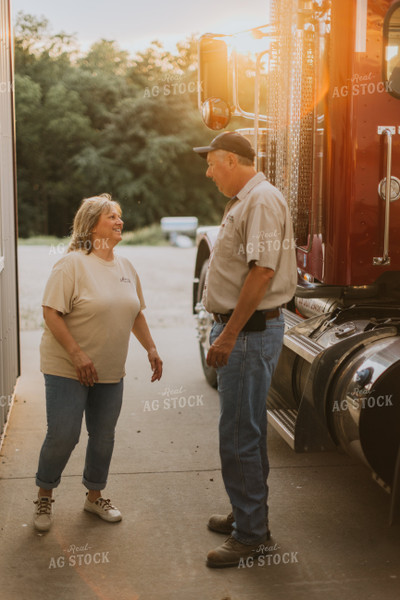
x: 42, y: 240
x: 147, y: 236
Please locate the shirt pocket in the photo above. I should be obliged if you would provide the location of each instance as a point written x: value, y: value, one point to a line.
x: 226, y: 239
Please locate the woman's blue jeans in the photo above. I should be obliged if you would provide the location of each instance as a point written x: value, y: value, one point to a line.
x: 243, y: 386
x: 66, y: 402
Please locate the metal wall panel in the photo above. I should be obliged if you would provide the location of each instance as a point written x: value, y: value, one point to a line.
x: 9, y: 325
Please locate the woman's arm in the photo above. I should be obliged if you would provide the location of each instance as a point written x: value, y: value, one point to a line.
x: 84, y: 367
x: 141, y: 331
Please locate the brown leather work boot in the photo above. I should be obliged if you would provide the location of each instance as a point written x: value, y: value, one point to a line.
x: 221, y: 523
x: 231, y: 552
x: 224, y: 524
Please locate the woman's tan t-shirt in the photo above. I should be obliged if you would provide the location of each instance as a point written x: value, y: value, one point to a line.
x: 99, y: 301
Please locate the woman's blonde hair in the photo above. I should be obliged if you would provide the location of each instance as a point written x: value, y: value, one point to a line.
x: 86, y: 219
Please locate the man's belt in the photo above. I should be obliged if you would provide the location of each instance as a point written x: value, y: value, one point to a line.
x: 256, y: 321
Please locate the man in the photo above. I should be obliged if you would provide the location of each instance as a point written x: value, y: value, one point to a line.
x: 252, y: 273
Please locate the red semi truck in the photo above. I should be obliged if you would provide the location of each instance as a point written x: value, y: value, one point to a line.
x: 326, y: 129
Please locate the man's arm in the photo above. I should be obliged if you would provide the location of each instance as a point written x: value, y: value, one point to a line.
x: 253, y: 291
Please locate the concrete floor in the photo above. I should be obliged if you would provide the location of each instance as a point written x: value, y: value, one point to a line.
x: 329, y: 520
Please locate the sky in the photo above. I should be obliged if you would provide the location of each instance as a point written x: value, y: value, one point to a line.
x: 134, y: 24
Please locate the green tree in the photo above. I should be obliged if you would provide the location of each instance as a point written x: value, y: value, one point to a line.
x: 93, y: 123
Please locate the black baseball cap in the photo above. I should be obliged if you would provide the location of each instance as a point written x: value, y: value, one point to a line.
x: 231, y: 141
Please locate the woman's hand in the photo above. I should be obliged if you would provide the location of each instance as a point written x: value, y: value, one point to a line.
x: 156, y: 364
x: 84, y: 367
x: 141, y: 331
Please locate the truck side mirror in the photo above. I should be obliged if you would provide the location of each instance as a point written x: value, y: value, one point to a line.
x: 214, y: 88
x: 216, y: 113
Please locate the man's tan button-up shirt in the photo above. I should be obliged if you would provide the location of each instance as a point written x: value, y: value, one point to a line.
x: 257, y: 227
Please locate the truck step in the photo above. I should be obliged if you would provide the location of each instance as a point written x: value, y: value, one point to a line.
x: 291, y: 319
x: 283, y: 420
x: 297, y: 342
x: 303, y: 346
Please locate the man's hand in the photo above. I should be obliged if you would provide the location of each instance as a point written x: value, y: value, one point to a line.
x: 219, y: 352
x: 253, y: 290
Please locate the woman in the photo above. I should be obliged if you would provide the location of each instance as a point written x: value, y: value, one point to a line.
x: 92, y: 301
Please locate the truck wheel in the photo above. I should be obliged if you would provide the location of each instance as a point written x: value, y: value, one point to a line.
x: 204, y: 322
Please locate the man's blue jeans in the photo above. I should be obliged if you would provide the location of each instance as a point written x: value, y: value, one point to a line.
x: 243, y: 386
x: 66, y: 402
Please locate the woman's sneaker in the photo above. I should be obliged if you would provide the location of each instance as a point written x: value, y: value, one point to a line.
x: 104, y: 509
x: 43, y: 516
